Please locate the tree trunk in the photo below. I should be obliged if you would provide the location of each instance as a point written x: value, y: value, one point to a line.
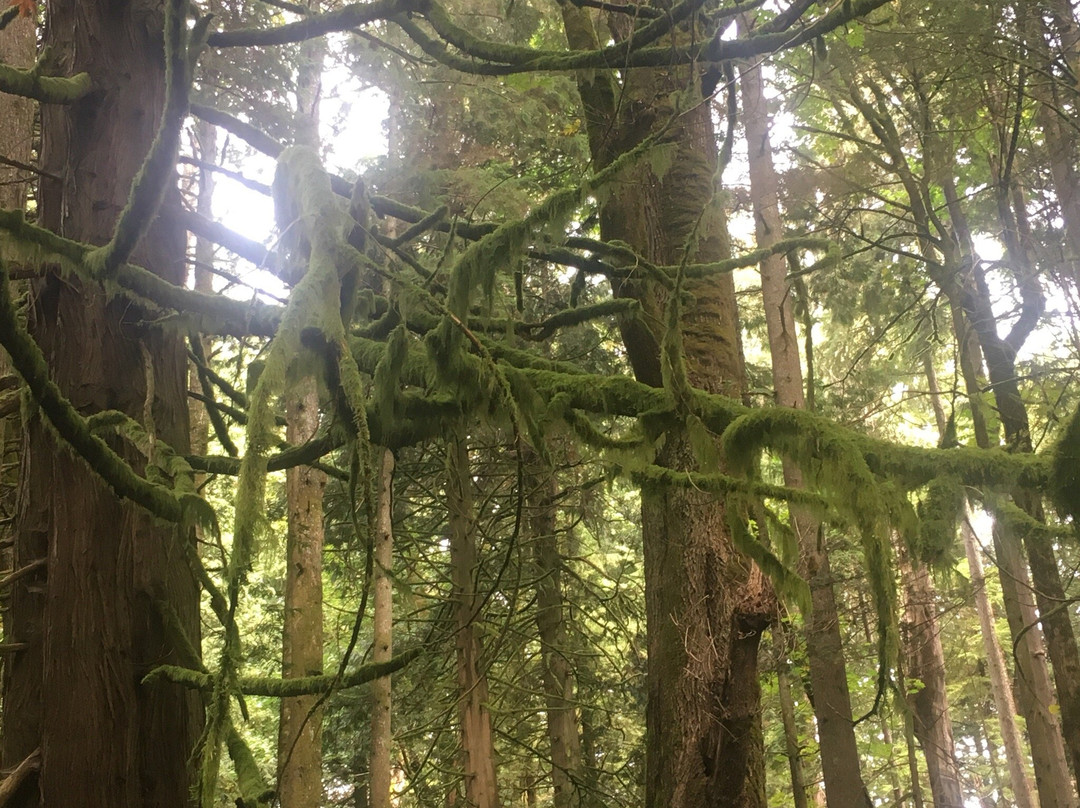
x: 300, y: 728
x: 1035, y: 691
x: 787, y: 715
x: 999, y: 681
x: 705, y: 605
x: 562, y: 725
x: 477, y: 745
x: 300, y: 725
x: 844, y: 785
x: 930, y: 704
x: 91, y: 621
x: 382, y: 635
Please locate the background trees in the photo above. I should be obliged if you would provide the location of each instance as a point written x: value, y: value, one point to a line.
x: 546, y: 335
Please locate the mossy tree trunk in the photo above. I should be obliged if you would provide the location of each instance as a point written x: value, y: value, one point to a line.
x: 91, y: 619
x: 706, y: 605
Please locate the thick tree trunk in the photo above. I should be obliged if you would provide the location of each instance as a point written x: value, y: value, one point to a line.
x: 18, y: 44
x: 999, y: 679
x: 564, y: 738
x: 477, y: 744
x: 92, y: 621
x: 844, y: 785
x: 382, y: 635
x: 930, y: 704
x: 300, y: 727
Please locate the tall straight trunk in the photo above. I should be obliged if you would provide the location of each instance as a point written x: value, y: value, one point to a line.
x: 18, y: 43
x: 202, y: 277
x: 844, y: 786
x: 18, y: 46
x: 300, y: 719
x: 91, y: 621
x: 930, y: 704
x: 705, y: 605
x: 999, y: 679
x: 300, y: 726
x: 564, y: 738
x: 382, y: 635
x: 477, y: 744
x: 1034, y: 691
x: 787, y: 715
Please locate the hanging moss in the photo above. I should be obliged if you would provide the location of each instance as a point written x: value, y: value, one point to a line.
x: 939, y: 512
x: 1065, y: 471
x: 833, y: 462
x: 789, y: 586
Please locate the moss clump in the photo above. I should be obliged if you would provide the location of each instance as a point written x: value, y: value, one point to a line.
x: 1065, y: 471
x: 939, y: 510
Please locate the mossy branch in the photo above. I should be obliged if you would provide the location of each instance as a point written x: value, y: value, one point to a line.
x: 28, y: 360
x: 343, y: 19
x: 29, y: 83
x: 215, y: 314
x: 274, y: 687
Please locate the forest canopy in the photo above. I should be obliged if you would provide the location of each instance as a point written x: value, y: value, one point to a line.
x: 666, y: 415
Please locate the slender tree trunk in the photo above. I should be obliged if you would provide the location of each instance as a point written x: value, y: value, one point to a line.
x: 787, y: 715
x: 562, y: 725
x: 477, y: 745
x: 92, y: 622
x: 912, y: 753
x: 930, y: 704
x: 1035, y: 692
x: 999, y: 680
x: 382, y: 640
x: 844, y: 785
x: 300, y: 726
x: 206, y: 143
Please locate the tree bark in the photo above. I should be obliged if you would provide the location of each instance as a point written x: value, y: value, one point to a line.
x: 930, y: 704
x: 477, y: 744
x: 564, y: 738
x: 787, y: 715
x: 382, y: 636
x: 92, y: 621
x: 999, y: 680
x: 300, y: 727
x: 844, y: 786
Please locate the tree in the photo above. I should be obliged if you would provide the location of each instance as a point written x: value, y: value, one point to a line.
x: 445, y: 352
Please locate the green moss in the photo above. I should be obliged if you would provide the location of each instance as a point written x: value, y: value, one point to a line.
x: 1065, y: 470
x: 938, y: 513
